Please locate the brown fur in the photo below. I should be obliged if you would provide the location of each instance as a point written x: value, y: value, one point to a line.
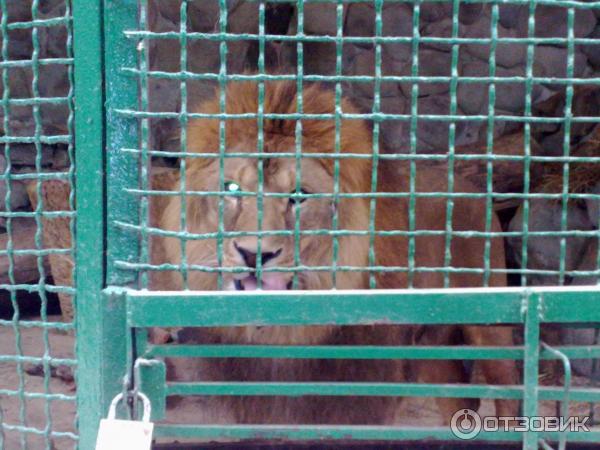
x: 317, y: 176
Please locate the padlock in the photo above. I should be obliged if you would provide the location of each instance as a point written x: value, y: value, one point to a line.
x: 116, y: 434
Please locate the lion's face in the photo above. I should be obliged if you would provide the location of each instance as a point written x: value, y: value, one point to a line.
x: 298, y: 243
x: 282, y: 214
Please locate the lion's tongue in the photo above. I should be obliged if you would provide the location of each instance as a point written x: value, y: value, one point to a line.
x: 270, y: 282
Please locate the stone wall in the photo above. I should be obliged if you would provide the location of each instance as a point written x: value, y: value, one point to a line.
x: 434, y: 59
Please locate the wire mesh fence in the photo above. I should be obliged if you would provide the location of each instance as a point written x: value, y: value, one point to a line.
x: 37, y: 401
x: 329, y: 212
x: 341, y: 146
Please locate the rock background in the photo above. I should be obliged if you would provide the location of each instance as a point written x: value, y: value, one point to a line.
x: 358, y: 58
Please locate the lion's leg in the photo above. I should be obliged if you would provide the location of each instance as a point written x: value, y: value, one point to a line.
x: 496, y: 371
x: 443, y: 372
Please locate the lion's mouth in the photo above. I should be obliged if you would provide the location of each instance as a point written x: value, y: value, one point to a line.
x: 271, y: 282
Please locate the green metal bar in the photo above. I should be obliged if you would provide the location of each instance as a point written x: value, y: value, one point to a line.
x: 532, y: 309
x: 376, y: 111
x: 346, y: 389
x: 222, y: 80
x: 134, y: 113
x: 88, y: 76
x: 435, y: 306
x: 174, y: 309
x: 414, y: 102
x: 37, y: 120
x: 568, y: 113
x: 564, y: 408
x: 362, y: 352
x: 298, y: 136
x: 14, y: 323
x: 342, y: 432
x: 183, y: 123
x: 379, y: 389
x: 122, y: 169
x: 232, y: 37
x: 451, y: 142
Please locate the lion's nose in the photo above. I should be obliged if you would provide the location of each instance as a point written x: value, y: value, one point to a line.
x: 249, y: 255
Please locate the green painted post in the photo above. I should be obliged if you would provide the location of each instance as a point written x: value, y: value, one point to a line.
x: 121, y: 132
x: 532, y: 309
x: 89, y: 114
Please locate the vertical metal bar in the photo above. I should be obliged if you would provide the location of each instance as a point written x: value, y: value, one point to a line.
x: 260, y: 143
x: 376, y: 131
x: 122, y: 172
x: 298, y: 133
x: 339, y: 50
x: 489, y: 212
x: 567, y: 142
x: 564, y: 406
x: 183, y: 124
x: 9, y: 244
x: 414, y: 117
x: 37, y: 120
x: 223, y: 14
x: 532, y: 309
x: 451, y: 144
x: 527, y: 135
x: 121, y: 132
x: 145, y: 158
x: 90, y: 226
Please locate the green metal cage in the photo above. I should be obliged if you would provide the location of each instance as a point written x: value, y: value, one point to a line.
x: 115, y: 111
x: 37, y: 121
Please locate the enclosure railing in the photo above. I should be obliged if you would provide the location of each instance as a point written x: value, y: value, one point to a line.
x: 113, y: 45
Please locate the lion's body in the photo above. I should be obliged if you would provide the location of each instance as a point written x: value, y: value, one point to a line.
x: 352, y: 213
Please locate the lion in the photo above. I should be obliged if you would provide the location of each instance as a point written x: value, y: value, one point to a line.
x: 298, y: 210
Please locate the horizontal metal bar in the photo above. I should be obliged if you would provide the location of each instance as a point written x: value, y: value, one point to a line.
x: 592, y: 4
x: 345, y: 389
x: 53, y: 362
x: 37, y: 176
x: 37, y: 288
x: 32, y: 430
x: 444, y: 195
x: 38, y: 62
x: 38, y: 101
x: 208, y: 76
x: 36, y: 23
x: 147, y: 309
x: 339, y: 269
x: 56, y: 139
x: 422, y: 306
x: 37, y: 324
x: 377, y: 117
x: 442, y: 157
x: 361, y: 352
x: 42, y: 214
x: 344, y: 432
x: 339, y: 233
x: 373, y: 40
x: 317, y: 432
x: 375, y: 389
x: 36, y: 252
x: 37, y: 395
x: 571, y: 305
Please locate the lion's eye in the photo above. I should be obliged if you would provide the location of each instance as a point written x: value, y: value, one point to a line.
x: 232, y: 186
x: 296, y: 200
